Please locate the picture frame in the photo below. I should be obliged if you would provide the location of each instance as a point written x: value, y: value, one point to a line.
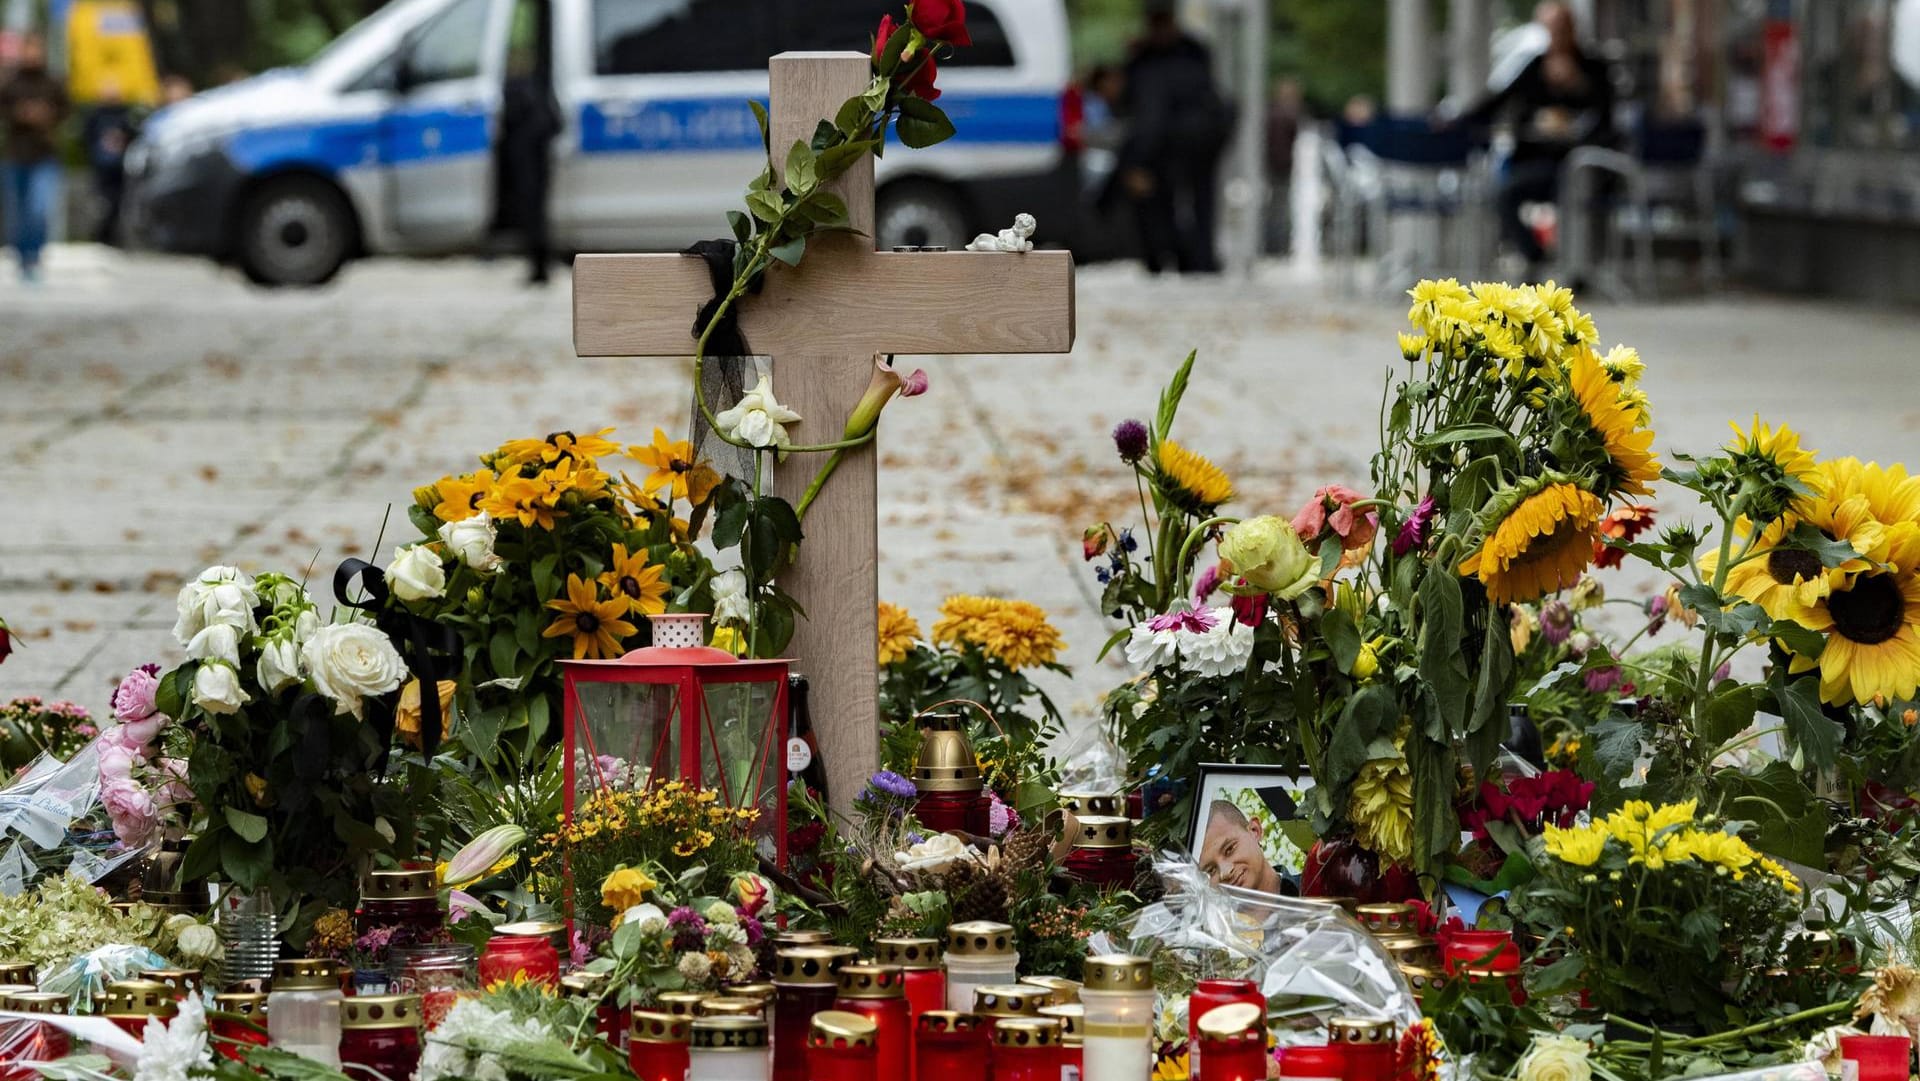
x: 1261, y: 843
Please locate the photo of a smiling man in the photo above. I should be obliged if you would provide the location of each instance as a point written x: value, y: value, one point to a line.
x: 1244, y: 829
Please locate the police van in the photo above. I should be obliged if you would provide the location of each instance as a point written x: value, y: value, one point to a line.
x: 385, y: 143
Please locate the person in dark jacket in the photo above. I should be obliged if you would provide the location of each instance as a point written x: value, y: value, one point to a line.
x: 32, y: 107
x: 1562, y: 100
x: 106, y: 132
x: 530, y: 118
x: 1178, y: 129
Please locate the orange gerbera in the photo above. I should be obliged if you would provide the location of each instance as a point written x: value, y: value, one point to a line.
x: 595, y: 624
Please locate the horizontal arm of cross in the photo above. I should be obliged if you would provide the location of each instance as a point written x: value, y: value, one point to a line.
x: 839, y: 300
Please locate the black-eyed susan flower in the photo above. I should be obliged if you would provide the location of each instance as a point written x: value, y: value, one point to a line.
x: 594, y: 624
x: 458, y: 498
x: 675, y: 470
x: 558, y: 447
x: 522, y: 499
x: 1189, y: 480
x: 635, y: 582
x: 1540, y: 545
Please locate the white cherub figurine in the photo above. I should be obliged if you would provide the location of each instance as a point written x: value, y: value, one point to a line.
x: 1016, y: 239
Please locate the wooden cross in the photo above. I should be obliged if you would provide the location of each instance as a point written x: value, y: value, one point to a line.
x: 822, y: 322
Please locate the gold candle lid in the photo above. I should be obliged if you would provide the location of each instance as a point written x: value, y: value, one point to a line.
x: 138, y: 998
x: 1388, y: 916
x: 1348, y: 903
x: 1119, y: 972
x: 1084, y: 802
x: 184, y: 980
x: 1422, y: 978
x: 1362, y: 1030
x: 810, y: 937
x: 391, y: 885
x: 584, y: 984
x: 1236, y: 1021
x: 533, y: 929
x: 1064, y: 991
x: 246, y: 1003
x: 872, y: 981
x: 980, y: 938
x: 948, y: 1021
x: 811, y: 966
x: 1010, y: 1000
x: 912, y: 954
x: 1105, y: 831
x: 838, y: 1028
x: 38, y: 1002
x: 651, y: 1027
x: 305, y: 974
x: 380, y: 1011
x: 730, y: 1033
x: 1027, y: 1032
x: 679, y: 1003
x: 946, y: 763
x: 18, y: 972
x: 1072, y: 1017
x: 757, y: 990
x: 727, y: 1006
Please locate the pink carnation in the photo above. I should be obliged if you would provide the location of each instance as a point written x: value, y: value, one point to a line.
x: 131, y: 809
x: 133, y: 699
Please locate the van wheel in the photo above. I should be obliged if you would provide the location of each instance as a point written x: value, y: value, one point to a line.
x: 922, y: 214
x: 295, y: 231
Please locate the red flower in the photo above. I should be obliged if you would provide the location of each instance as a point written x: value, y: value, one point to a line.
x: 1250, y: 611
x: 1354, y: 530
x: 941, y: 20
x: 1622, y: 525
x: 914, y: 76
x: 6, y: 640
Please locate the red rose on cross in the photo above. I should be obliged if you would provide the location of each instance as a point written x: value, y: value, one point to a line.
x: 941, y: 20
x: 6, y: 640
x: 914, y: 76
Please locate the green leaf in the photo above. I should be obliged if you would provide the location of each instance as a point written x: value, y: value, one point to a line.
x: 202, y: 858
x: 921, y: 123
x: 1170, y: 399
x: 1807, y: 537
x: 1466, y: 433
x: 836, y: 160
x: 251, y: 827
x: 626, y: 939
x: 766, y: 205
x: 1370, y: 714
x: 246, y: 864
x: 729, y: 525
x: 1789, y: 819
x: 1817, y: 737
x: 801, y: 176
x: 790, y: 252
x: 1487, y: 725
x: 766, y: 125
x: 175, y: 690
x: 1437, y: 830
x: 1343, y: 638
x: 503, y: 649
x: 1807, y: 643
x: 480, y: 731
x: 742, y: 226
x: 825, y: 134
x: 826, y: 210
x: 546, y: 584
x: 889, y: 58
x: 852, y: 112
x: 1730, y: 711
x: 1441, y: 665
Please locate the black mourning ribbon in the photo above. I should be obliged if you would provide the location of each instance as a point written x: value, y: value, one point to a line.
x: 432, y: 651
x: 727, y: 341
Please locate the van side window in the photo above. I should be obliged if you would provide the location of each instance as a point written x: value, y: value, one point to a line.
x: 849, y: 24
x: 647, y: 37
x: 448, y: 47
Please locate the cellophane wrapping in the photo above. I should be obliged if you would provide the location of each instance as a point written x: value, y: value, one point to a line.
x: 51, y: 822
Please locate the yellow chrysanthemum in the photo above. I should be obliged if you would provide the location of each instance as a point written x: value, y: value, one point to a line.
x: 1381, y: 806
x: 1872, y: 624
x: 897, y: 633
x: 1015, y: 633
x: 635, y: 582
x: 1542, y: 545
x: 1623, y: 365
x: 1777, y: 450
x: 1639, y: 825
x: 1412, y: 346
x: 1580, y: 846
x: 1193, y: 483
x: 1717, y: 849
x: 1631, y: 466
x: 595, y: 625
x: 459, y: 497
x: 1781, y: 875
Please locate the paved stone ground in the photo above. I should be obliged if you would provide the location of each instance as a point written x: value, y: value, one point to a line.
x: 159, y: 415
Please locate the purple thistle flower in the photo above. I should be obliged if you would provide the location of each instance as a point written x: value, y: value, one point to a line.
x: 893, y: 784
x: 1413, y: 531
x: 1556, y: 621
x: 1130, y: 439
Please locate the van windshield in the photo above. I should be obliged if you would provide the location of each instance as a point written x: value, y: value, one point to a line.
x: 370, y: 39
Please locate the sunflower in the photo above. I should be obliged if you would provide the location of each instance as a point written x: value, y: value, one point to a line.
x: 459, y: 497
x: 1193, y: 483
x: 1783, y: 579
x: 522, y: 499
x: 675, y: 470
x: 1015, y: 633
x: 635, y: 582
x: 1540, y: 546
x: 1616, y: 424
x: 897, y: 632
x: 595, y: 625
x: 560, y: 446
x: 1872, y: 624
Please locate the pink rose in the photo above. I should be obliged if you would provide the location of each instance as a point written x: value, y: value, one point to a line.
x: 116, y: 759
x: 136, y: 735
x: 131, y: 809
x: 133, y: 699
x: 174, y: 792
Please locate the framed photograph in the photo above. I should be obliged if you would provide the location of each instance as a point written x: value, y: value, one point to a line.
x: 1249, y: 830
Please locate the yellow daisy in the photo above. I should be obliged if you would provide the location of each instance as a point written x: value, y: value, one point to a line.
x: 675, y: 470
x: 522, y: 499
x: 560, y: 446
x: 595, y: 624
x: 1631, y: 466
x: 1193, y: 483
x: 635, y: 582
x: 459, y: 497
x: 897, y: 633
x: 1540, y: 546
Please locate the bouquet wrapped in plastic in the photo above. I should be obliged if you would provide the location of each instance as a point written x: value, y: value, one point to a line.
x: 85, y: 978
x: 52, y: 822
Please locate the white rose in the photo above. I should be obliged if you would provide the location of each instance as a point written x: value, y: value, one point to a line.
x: 758, y: 420
x: 199, y: 942
x: 216, y: 688
x: 204, y: 596
x: 416, y: 575
x: 279, y: 665
x: 471, y: 541
x: 1556, y: 1058
x: 934, y: 853
x: 730, y: 604
x: 350, y: 661
x: 215, y: 642
x: 304, y: 625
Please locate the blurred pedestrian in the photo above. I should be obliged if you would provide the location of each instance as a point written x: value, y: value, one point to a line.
x: 175, y: 88
x: 1283, y: 130
x: 1178, y: 130
x: 1562, y: 100
x: 529, y: 120
x: 106, y: 133
x: 32, y: 107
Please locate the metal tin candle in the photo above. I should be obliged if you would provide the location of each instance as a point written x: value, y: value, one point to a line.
x: 1211, y: 994
x: 1027, y: 1049
x: 399, y: 899
x: 1411, y: 950
x: 879, y: 993
x: 761, y: 992
x: 1103, y: 853
x: 996, y: 1002
x: 1312, y: 1062
x: 181, y: 982
x: 1094, y: 803
x: 40, y: 1042
x: 804, y: 983
x: 609, y: 1019
x: 380, y: 1036
x: 786, y: 940
x: 979, y: 952
x: 18, y: 972
x: 245, y: 1025
x: 1073, y: 1026
x: 729, y: 1006
x: 1424, y: 981
x: 1118, y: 1035
x: 842, y: 1046
x: 948, y: 1044
x: 728, y: 1049
x: 1233, y: 1039
x: 657, y: 1046
x: 131, y: 1003
x: 1061, y: 991
x: 522, y: 948
x: 947, y: 776
x: 680, y: 1003
x: 303, y: 1012
x: 1392, y: 918
x: 1366, y: 1047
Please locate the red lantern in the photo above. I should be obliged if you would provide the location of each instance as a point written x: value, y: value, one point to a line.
x: 680, y: 710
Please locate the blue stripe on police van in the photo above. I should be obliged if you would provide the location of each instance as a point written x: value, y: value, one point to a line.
x: 726, y: 123
x: 399, y: 138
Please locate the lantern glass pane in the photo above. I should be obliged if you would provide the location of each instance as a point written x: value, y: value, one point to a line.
x: 739, y: 760
x: 625, y: 732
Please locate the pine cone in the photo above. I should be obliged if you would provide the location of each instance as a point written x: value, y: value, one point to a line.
x: 989, y: 898
x: 1026, y: 847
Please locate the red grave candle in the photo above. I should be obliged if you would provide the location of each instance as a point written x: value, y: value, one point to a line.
x: 130, y: 1004
x: 879, y: 993
x: 522, y: 948
x: 248, y: 1026
x: 923, y: 973
x: 1103, y: 853
x: 1233, y: 1043
x: 1366, y: 1047
x: 1880, y: 1058
x: 41, y: 1042
x: 1211, y: 995
x: 1026, y: 1049
x: 842, y: 1046
x: 949, y: 1045
x: 804, y: 984
x: 380, y: 1035
x: 1312, y: 1062
x: 657, y: 1046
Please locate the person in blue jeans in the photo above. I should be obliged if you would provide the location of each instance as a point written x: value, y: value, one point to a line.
x: 33, y: 105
